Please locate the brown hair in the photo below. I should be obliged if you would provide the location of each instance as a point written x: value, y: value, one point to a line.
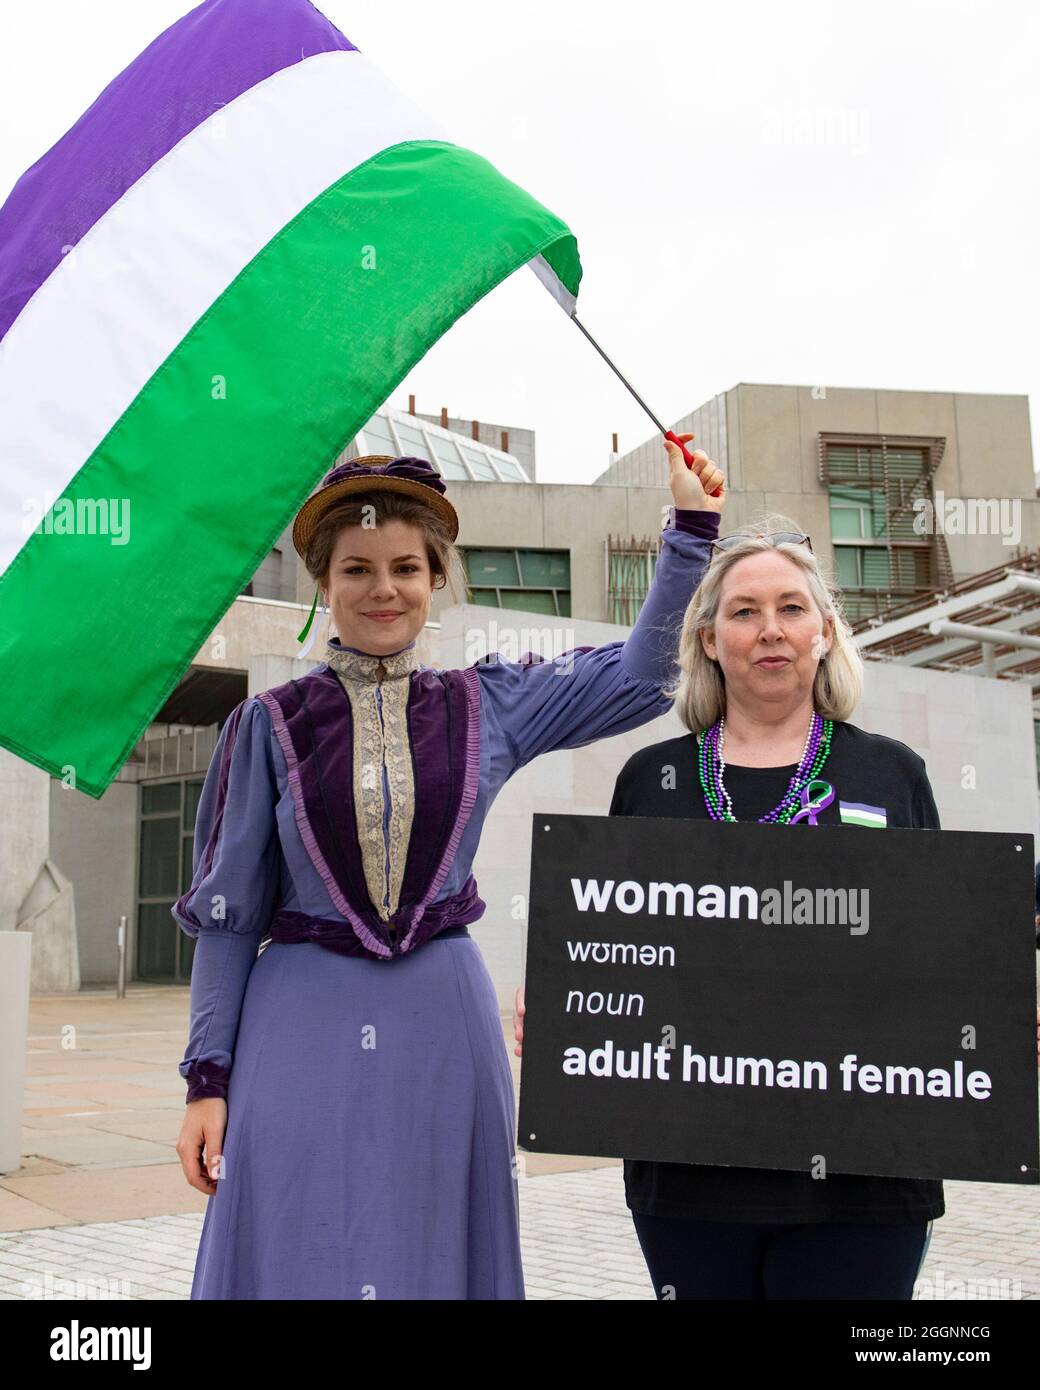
x: 441, y: 552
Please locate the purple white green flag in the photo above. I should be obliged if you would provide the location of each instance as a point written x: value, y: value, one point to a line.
x: 207, y: 286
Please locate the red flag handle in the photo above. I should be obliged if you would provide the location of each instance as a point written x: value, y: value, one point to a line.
x: 674, y: 438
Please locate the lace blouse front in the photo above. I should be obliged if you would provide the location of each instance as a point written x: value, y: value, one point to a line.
x: 384, y: 791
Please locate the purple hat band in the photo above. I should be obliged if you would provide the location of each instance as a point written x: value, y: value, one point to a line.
x: 413, y: 470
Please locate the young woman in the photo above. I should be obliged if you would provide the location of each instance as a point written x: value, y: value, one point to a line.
x: 350, y: 1103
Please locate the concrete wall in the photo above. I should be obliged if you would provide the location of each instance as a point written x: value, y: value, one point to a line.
x: 24, y: 832
x: 255, y: 627
x: 975, y: 735
x: 559, y: 516
x: 774, y: 431
x: 765, y: 437
x: 95, y: 844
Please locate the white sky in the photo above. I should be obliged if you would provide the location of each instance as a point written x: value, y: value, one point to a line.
x: 810, y: 193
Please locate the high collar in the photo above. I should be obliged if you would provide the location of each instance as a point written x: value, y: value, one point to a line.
x: 358, y: 665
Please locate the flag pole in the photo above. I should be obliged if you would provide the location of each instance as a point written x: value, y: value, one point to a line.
x: 668, y: 434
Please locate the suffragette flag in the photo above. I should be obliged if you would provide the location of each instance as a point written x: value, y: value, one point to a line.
x: 207, y: 286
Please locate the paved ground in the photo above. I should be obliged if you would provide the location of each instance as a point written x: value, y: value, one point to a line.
x: 99, y: 1207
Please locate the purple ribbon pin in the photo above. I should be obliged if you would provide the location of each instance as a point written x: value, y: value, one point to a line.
x: 813, y: 801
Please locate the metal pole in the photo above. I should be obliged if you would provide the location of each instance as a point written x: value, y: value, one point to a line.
x: 614, y: 369
x: 121, y: 965
x: 668, y: 434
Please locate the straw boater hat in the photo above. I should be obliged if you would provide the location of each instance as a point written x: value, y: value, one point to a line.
x: 374, y: 472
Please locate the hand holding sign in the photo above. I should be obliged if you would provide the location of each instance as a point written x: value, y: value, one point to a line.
x: 518, y: 1024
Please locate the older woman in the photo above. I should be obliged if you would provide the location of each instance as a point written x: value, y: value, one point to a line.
x: 768, y: 680
x: 350, y: 1104
x: 768, y: 677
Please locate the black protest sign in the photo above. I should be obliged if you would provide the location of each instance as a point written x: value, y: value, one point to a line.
x: 736, y: 994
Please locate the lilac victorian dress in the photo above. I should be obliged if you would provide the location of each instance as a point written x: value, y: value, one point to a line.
x: 369, y: 1143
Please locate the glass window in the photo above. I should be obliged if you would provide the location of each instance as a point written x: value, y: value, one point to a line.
x: 529, y: 600
x: 157, y: 934
x: 509, y: 468
x: 847, y: 561
x: 491, y: 567
x: 850, y: 509
x: 165, y: 872
x: 876, y: 570
x: 413, y: 440
x: 478, y: 461
x: 455, y: 472
x: 160, y: 796
x: 521, y: 580
x: 551, y: 568
x: 448, y: 461
x: 377, y: 438
x: 160, y: 857
x: 846, y: 523
x: 857, y: 513
x: 192, y: 795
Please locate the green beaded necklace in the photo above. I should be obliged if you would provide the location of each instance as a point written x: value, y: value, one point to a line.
x: 709, y: 768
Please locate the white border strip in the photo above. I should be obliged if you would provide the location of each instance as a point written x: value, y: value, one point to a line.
x: 568, y: 302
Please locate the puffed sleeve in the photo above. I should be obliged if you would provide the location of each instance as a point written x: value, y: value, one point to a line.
x: 536, y: 706
x: 229, y: 904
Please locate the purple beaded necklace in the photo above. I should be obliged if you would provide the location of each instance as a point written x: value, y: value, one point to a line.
x: 711, y: 766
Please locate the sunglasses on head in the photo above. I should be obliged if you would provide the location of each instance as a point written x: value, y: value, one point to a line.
x: 773, y: 537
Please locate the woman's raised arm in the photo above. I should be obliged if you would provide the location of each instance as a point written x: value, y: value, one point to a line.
x: 536, y: 706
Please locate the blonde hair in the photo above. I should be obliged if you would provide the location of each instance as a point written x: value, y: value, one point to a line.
x: 700, y: 689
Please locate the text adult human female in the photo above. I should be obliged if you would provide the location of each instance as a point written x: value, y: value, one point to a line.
x: 368, y: 1149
